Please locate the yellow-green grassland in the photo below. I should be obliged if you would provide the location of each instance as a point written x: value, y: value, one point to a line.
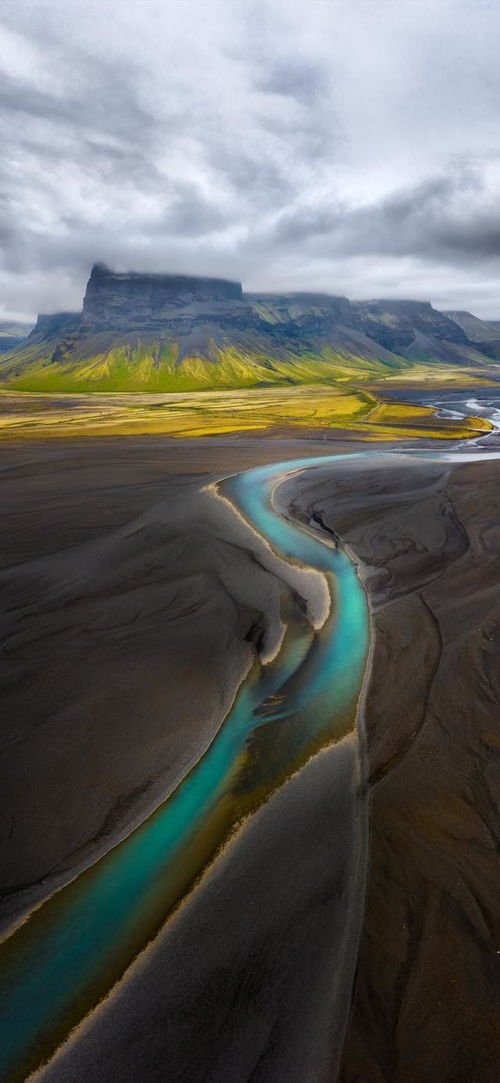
x: 308, y: 410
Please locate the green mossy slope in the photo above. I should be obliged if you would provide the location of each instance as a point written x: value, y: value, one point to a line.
x: 106, y: 362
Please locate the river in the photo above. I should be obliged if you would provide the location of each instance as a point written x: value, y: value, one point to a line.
x: 74, y: 947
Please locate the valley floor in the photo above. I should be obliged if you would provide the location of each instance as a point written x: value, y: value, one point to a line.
x: 315, y: 411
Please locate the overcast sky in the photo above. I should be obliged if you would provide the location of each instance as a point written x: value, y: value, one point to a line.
x: 351, y: 147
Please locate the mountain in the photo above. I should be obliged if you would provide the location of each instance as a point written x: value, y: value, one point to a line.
x: 418, y: 332
x: 12, y: 334
x: 395, y: 323
x: 485, y: 335
x: 153, y: 332
x: 128, y: 301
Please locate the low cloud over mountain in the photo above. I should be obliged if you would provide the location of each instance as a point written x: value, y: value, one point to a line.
x: 353, y: 152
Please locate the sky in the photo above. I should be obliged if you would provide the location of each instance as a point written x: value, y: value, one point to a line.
x: 346, y: 146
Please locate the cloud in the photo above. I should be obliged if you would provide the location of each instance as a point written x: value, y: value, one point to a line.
x: 346, y: 146
x: 448, y: 217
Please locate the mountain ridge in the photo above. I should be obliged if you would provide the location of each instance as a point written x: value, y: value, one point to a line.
x: 179, y: 332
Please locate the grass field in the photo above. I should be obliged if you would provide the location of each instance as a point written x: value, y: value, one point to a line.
x: 275, y: 411
x: 427, y: 376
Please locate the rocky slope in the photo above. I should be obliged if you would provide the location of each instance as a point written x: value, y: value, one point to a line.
x: 174, y: 332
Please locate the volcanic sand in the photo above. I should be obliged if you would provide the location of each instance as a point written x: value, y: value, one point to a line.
x: 130, y: 618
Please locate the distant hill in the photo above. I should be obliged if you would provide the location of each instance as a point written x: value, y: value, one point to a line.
x: 12, y: 334
x: 485, y: 335
x: 145, y: 332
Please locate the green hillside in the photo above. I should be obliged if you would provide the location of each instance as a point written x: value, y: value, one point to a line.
x: 134, y: 362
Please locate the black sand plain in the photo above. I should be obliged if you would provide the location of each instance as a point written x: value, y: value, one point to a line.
x: 130, y: 613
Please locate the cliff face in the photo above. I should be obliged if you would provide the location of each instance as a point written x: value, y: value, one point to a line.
x: 149, y: 300
x: 55, y: 325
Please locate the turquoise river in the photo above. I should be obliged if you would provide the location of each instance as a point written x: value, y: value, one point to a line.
x: 61, y: 961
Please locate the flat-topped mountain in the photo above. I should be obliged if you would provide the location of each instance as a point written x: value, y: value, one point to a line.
x: 180, y: 332
x: 150, y: 300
